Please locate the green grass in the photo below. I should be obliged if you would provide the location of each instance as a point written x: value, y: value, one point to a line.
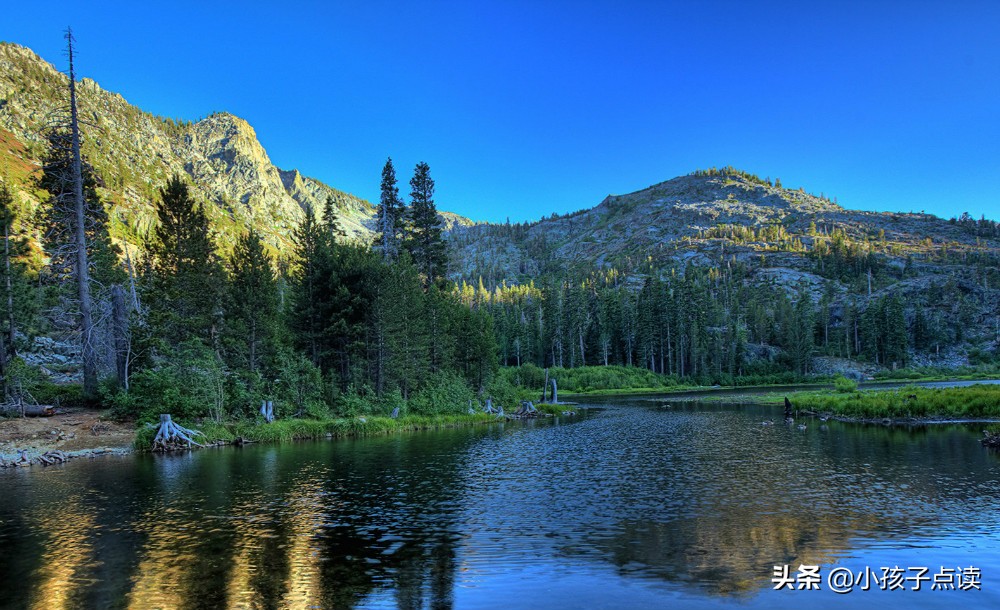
x: 977, y: 401
x: 300, y: 429
x: 931, y: 373
x: 618, y: 380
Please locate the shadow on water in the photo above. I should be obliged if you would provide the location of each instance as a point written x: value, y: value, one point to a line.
x: 685, y: 499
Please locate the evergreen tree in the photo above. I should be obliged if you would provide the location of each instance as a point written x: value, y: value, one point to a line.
x: 405, y: 327
x: 333, y: 228
x: 16, y: 304
x: 426, y: 242
x: 391, y: 214
x: 60, y: 217
x: 895, y: 329
x: 79, y: 247
x: 306, y: 282
x: 253, y: 296
x: 800, y: 339
x: 187, y: 277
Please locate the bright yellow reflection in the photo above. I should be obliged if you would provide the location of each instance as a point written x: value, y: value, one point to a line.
x: 69, y: 526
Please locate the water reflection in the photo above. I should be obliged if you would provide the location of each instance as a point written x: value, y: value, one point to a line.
x: 689, y: 500
x: 68, y: 556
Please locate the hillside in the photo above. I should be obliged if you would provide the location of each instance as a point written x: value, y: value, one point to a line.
x: 691, y: 219
x: 135, y: 152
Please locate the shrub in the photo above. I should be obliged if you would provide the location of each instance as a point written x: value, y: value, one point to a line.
x: 506, y: 394
x: 188, y: 384
x: 300, y: 386
x: 444, y: 393
x: 844, y: 385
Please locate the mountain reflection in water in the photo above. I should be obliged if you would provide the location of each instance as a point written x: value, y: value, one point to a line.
x: 627, y: 505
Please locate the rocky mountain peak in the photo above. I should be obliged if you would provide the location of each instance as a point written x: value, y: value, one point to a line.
x: 136, y: 152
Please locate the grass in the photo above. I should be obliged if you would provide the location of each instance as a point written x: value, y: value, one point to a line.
x: 284, y: 430
x: 619, y: 380
x: 972, y: 402
x: 931, y: 373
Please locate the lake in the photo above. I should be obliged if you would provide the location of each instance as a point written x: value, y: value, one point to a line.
x: 632, y: 503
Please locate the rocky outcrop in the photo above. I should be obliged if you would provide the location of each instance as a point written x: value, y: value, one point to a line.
x: 136, y: 152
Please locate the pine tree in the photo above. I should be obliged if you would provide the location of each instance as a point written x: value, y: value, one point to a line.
x: 253, y: 299
x: 800, y: 339
x: 426, y: 243
x: 405, y: 328
x: 305, y: 285
x: 10, y: 281
x: 187, y: 275
x: 895, y: 329
x: 333, y: 228
x: 391, y: 214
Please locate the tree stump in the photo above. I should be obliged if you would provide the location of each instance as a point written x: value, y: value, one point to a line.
x: 267, y: 410
x: 170, y: 436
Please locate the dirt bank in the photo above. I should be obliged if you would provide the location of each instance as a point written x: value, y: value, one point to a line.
x: 73, y: 431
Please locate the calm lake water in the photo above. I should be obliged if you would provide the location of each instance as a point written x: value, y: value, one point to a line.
x: 631, y: 504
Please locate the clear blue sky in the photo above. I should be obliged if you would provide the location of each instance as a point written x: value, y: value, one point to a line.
x: 526, y: 108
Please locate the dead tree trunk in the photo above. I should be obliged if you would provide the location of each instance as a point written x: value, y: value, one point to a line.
x: 267, y: 410
x: 80, y: 230
x: 555, y: 392
x: 489, y: 406
x: 131, y: 278
x: 119, y: 323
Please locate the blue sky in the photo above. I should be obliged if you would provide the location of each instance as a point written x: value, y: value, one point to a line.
x: 522, y: 109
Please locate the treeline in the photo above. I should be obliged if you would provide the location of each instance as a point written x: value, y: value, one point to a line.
x: 340, y: 327
x: 714, y: 324
x: 984, y: 227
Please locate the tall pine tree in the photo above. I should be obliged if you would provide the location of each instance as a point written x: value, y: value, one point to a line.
x: 253, y: 294
x: 391, y: 214
x: 330, y: 221
x: 186, y: 282
x: 426, y: 242
x: 305, y: 286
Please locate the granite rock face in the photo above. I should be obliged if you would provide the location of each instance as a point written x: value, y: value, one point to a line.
x: 136, y: 152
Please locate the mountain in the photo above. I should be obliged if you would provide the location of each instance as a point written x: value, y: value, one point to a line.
x: 136, y: 152
x: 699, y: 218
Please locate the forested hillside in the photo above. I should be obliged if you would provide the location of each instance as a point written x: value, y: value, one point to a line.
x: 721, y: 273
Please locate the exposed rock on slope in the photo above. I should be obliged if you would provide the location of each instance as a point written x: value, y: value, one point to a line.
x: 136, y: 152
x: 672, y: 222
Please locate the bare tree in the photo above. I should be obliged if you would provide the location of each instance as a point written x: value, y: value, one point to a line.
x: 82, y: 265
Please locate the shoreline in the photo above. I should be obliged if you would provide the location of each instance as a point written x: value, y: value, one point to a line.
x: 752, y: 390
x: 45, y: 451
x: 48, y: 440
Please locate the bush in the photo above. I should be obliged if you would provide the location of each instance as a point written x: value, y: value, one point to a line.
x: 844, y: 385
x: 191, y: 383
x: 444, y: 393
x: 300, y: 386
